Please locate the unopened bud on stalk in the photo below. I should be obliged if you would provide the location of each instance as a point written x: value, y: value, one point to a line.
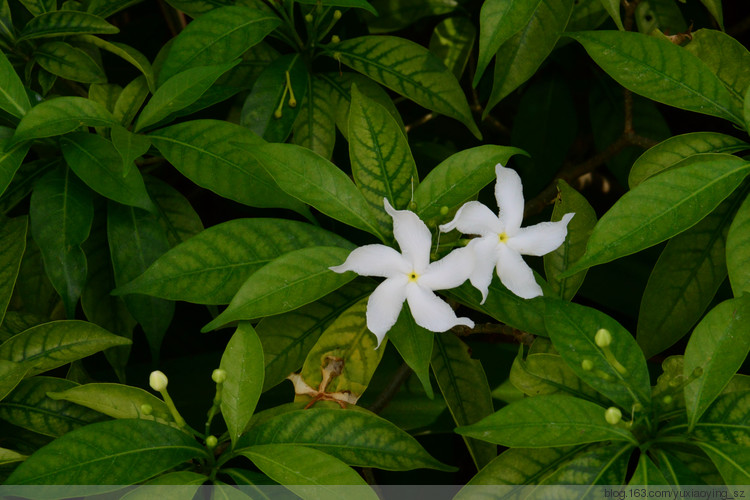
x: 158, y: 381
x: 613, y: 415
x: 587, y: 365
x: 603, y: 338
x: 308, y: 18
x: 337, y: 14
x: 211, y: 442
x: 335, y: 39
x: 147, y: 409
x: 219, y: 376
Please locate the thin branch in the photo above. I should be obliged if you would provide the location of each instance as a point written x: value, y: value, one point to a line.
x: 507, y: 333
x: 398, y: 379
x: 419, y: 122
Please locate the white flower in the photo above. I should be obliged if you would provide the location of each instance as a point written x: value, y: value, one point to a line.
x: 409, y: 276
x: 502, y: 241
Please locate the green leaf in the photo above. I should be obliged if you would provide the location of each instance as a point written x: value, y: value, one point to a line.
x: 175, y: 213
x: 547, y: 373
x: 126, y: 52
x: 414, y: 344
x: 732, y: 460
x: 62, y: 115
x: 738, y: 250
x: 395, y: 14
x: 613, y: 9
x: 179, y: 484
x: 464, y: 386
x: 357, y: 4
x: 13, y: 236
x: 57, y: 343
x: 676, y: 469
x: 458, y: 179
x: 13, y: 97
x: 727, y: 420
x: 685, y: 279
x: 714, y: 7
x: 288, y: 338
x: 452, y: 41
x: 37, y: 7
x: 657, y: 17
x: 270, y: 95
x: 357, y: 438
x: 10, y: 375
x: 136, y: 240
x: 194, y: 8
x: 217, y: 37
x: 661, y: 207
x: 11, y: 157
x: 212, y: 266
x: 315, y: 126
x: 349, y: 340
x: 579, y: 229
x: 10, y: 456
x: 670, y: 153
x: 717, y: 347
x: 105, y: 8
x: 61, y: 214
x: 410, y: 70
x: 315, y: 181
x: 647, y: 473
x: 309, y: 471
x: 71, y: 63
x: 286, y: 283
x: 204, y: 152
x: 520, y: 56
x: 95, y: 160
x: 243, y: 362
x: 180, y: 91
x: 382, y: 164
x: 572, y: 329
x: 659, y: 70
x: 130, y: 147
x: 499, y: 20
x: 589, y: 15
x: 130, y: 100
x: 115, y: 400
x: 598, y: 465
x: 64, y: 22
x: 117, y: 452
x: 552, y: 420
x: 29, y: 407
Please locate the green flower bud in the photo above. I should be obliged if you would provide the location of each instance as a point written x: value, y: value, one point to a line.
x: 587, y: 365
x: 337, y: 14
x: 667, y: 400
x: 444, y: 210
x: 219, y: 376
x: 603, y: 338
x: 158, y: 381
x: 211, y: 442
x: 277, y: 114
x: 335, y: 39
x: 698, y: 372
x: 308, y: 18
x: 147, y: 409
x: 613, y: 415
x: 413, y: 207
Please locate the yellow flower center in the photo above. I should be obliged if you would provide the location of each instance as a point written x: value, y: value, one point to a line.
x: 502, y: 237
x: 413, y: 276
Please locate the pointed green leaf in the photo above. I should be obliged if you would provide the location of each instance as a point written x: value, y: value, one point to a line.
x: 598, y: 465
x: 676, y: 470
x: 175, y: 213
x: 547, y: 373
x: 408, y: 69
x: 117, y: 452
x: 613, y: 9
x: 662, y: 206
x: 579, y: 229
x: 685, y: 279
x: 71, y: 63
x: 95, y: 160
x: 519, y: 57
x: 61, y: 214
x: 105, y: 94
x: 589, y: 15
x: 727, y: 420
x: 180, y: 91
x: 464, y: 386
x: 717, y: 347
x: 671, y: 152
x: 394, y: 14
x: 286, y: 283
x: 130, y: 146
x: 288, y: 338
x: 211, y: 267
x: 54, y: 344
x: 659, y: 70
x: 10, y: 375
x: 13, y: 236
x: 357, y: 4
x: 414, y: 344
x: 647, y: 473
x: 61, y: 115
x: 115, y: 400
x: 10, y: 456
x: 243, y: 362
x: 315, y: 126
x: 552, y: 420
x: 732, y: 460
x: 64, y: 22
x: 382, y: 164
x: 130, y: 100
x: 126, y: 52
x: 37, y: 7
x: 11, y: 157
x: 194, y: 8
x: 738, y: 250
x: 13, y: 97
x: 357, y: 438
x: 452, y: 41
x: 204, y: 152
x: 714, y: 7
x: 217, y: 37
x: 105, y: 8
x: 572, y: 329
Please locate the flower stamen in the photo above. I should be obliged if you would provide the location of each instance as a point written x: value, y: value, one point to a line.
x: 502, y: 237
x: 413, y: 276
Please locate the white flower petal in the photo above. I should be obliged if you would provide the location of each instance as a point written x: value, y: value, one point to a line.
x: 430, y: 311
x: 509, y: 196
x: 374, y: 260
x: 412, y: 236
x: 515, y: 274
x: 448, y: 272
x: 384, y: 305
x: 485, y: 260
x: 474, y: 218
x: 542, y: 238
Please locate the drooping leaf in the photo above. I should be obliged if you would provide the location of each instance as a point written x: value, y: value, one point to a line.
x: 61, y: 115
x: 661, y: 207
x: 464, y: 386
x: 64, y: 60
x: 116, y: 452
x: 115, y: 400
x: 714, y: 7
x: 13, y: 97
x: 243, y: 362
x: 61, y: 214
x: 408, y: 69
x: 717, y: 348
x: 126, y: 52
x: 315, y: 127
x: 212, y: 266
x: 552, y: 420
x: 13, y: 236
x: 54, y: 344
x: 659, y: 70
x: 452, y: 41
x: 613, y: 9
x: 414, y: 344
x: 738, y: 251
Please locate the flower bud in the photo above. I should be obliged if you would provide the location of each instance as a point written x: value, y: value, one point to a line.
x: 667, y: 400
x: 158, y: 381
x: 613, y: 415
x: 444, y: 210
x: 219, y: 376
x: 587, y: 365
x: 698, y: 372
x: 277, y: 114
x: 211, y: 442
x: 308, y: 18
x: 603, y: 338
x: 335, y: 39
x: 337, y: 14
x: 147, y: 409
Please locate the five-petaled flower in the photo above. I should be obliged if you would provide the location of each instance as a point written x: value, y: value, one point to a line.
x: 502, y: 241
x: 409, y: 276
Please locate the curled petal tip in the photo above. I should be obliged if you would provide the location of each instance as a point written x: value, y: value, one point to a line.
x: 567, y: 217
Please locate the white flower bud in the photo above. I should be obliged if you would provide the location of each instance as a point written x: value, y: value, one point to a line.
x: 158, y: 381
x: 603, y: 338
x: 211, y: 442
x: 219, y: 376
x: 613, y: 415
